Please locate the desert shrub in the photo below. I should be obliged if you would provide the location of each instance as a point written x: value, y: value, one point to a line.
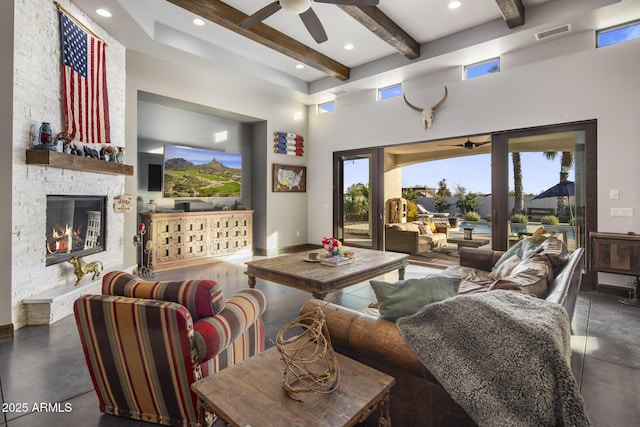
x: 472, y: 216
x: 488, y: 218
x: 549, y: 220
x: 519, y: 219
x: 412, y: 211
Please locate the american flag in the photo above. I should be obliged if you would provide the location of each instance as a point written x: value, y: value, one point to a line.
x: 84, y: 81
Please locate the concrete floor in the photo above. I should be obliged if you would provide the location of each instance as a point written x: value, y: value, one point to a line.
x: 45, y: 364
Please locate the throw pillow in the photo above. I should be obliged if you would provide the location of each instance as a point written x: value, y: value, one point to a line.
x: 203, y: 298
x: 556, y: 251
x: 523, y: 248
x: 531, y: 276
x: 408, y: 296
x: 432, y: 226
x: 411, y: 226
x: 505, y: 268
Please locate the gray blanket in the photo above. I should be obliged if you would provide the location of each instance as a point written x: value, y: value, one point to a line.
x: 503, y: 356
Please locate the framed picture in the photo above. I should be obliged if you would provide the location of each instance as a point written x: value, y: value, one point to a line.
x: 289, y: 179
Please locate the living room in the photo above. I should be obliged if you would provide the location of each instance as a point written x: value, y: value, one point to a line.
x: 580, y: 72
x: 558, y: 81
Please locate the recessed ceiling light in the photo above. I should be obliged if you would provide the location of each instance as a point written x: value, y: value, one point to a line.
x: 454, y: 4
x: 104, y: 12
x: 348, y: 46
x: 299, y: 66
x: 198, y: 22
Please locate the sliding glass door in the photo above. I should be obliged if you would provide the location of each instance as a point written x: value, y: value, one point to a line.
x: 357, y: 205
x: 545, y: 177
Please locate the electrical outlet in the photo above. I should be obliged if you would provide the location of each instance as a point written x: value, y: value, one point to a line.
x: 614, y: 194
x: 621, y: 211
x: 298, y: 233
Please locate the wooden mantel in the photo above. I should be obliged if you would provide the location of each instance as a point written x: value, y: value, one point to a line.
x: 69, y: 161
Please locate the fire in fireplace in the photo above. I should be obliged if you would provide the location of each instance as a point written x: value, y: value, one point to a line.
x: 75, y: 227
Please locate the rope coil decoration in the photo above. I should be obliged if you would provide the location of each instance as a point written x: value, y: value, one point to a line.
x: 311, y: 364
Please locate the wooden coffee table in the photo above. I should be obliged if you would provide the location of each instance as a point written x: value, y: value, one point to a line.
x: 468, y: 243
x: 250, y: 393
x: 291, y: 270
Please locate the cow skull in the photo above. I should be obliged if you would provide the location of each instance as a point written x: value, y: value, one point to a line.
x: 427, y: 113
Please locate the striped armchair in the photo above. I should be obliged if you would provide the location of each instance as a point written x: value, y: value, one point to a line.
x: 145, y: 343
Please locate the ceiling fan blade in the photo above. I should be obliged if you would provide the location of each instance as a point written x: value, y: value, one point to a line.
x: 261, y: 15
x: 314, y: 26
x: 351, y: 2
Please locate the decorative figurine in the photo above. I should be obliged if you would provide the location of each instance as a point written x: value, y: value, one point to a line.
x: 80, y: 268
x: 108, y: 153
x: 90, y: 152
x: 120, y: 155
x: 66, y: 141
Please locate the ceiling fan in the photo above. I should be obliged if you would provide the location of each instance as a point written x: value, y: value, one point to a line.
x: 302, y: 8
x: 468, y: 144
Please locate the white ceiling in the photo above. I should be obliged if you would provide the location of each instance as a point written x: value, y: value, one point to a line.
x: 473, y: 32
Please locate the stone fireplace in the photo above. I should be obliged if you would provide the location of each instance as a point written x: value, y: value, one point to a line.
x: 75, y: 226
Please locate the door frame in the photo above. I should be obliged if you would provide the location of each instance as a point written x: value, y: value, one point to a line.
x: 500, y: 175
x: 376, y: 193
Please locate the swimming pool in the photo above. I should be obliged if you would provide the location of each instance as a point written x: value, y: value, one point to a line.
x: 484, y: 227
x: 479, y: 227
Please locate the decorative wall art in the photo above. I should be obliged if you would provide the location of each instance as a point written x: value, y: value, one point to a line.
x: 288, y: 143
x: 289, y: 179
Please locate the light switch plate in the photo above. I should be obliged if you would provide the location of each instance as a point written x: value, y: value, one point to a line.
x: 614, y: 194
x: 621, y: 211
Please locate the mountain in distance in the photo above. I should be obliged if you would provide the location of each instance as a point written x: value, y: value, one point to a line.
x: 178, y: 164
x: 213, y: 167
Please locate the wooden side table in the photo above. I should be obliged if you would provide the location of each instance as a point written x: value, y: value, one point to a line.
x: 251, y: 394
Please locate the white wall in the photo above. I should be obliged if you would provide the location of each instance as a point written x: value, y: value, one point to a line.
x: 37, y: 98
x: 217, y: 88
x: 555, y: 82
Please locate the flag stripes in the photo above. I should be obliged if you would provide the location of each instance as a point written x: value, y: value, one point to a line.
x: 84, y: 83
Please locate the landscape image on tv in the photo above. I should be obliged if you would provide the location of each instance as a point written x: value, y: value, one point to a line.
x: 196, y: 172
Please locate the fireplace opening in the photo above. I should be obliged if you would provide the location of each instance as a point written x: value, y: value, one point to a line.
x: 75, y: 227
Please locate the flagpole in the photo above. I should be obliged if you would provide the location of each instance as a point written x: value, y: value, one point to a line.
x: 87, y: 29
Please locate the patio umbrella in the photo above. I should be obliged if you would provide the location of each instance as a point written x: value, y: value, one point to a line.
x: 561, y: 189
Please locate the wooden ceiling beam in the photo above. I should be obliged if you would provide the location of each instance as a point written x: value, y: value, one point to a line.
x: 382, y: 26
x: 512, y: 12
x: 224, y: 15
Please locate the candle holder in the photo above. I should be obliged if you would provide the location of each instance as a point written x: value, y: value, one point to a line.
x: 468, y: 233
x: 144, y: 252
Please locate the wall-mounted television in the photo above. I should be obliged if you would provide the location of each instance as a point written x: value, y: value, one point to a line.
x: 198, y: 172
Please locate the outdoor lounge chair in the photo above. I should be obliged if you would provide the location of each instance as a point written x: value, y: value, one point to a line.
x: 423, y: 213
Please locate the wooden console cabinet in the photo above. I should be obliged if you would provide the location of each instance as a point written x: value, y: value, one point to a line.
x: 182, y: 239
x: 615, y: 253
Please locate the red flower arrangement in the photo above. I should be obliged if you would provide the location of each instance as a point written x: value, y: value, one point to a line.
x: 332, y: 245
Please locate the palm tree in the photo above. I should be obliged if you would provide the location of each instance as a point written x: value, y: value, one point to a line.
x: 518, y: 198
x: 566, y: 163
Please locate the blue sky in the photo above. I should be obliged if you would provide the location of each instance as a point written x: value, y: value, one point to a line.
x: 199, y: 156
x: 471, y: 172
